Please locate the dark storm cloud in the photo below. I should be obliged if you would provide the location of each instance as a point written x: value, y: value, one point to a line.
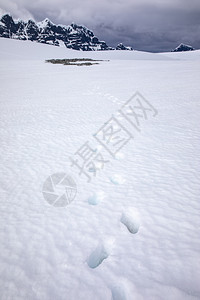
x: 151, y: 25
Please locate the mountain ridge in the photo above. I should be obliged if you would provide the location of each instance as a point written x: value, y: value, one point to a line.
x: 77, y: 37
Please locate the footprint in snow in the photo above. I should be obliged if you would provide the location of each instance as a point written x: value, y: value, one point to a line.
x: 117, y: 179
x: 102, y: 252
x: 119, y: 155
x: 118, y: 293
x: 130, y: 218
x: 96, y: 198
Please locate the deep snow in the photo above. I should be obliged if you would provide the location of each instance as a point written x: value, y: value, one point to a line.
x: 133, y: 231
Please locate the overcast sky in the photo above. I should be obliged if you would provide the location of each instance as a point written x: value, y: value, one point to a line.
x: 150, y: 25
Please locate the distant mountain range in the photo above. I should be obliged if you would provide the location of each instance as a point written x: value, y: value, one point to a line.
x: 73, y: 36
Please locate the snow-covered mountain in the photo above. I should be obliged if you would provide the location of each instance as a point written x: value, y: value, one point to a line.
x: 73, y: 36
x: 183, y: 47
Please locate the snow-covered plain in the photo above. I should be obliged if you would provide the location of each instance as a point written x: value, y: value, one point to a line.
x: 133, y: 231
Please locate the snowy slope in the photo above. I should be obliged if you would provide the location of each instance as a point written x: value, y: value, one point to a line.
x: 133, y: 231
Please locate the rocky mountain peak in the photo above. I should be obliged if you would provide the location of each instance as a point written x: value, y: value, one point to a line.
x: 74, y: 36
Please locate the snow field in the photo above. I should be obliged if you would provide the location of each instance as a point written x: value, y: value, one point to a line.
x: 133, y: 231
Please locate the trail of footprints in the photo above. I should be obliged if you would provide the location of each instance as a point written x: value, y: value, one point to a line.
x: 129, y: 218
x: 96, y: 90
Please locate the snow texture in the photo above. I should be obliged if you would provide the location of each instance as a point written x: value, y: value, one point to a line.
x: 87, y: 249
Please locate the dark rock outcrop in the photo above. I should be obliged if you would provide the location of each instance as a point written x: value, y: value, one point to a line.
x: 122, y: 47
x: 183, y: 47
